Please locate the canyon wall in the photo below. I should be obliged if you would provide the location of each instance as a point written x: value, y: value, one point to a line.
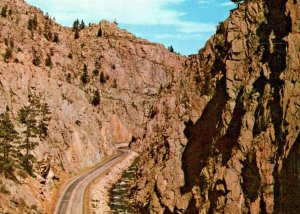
x: 225, y: 138
x: 100, y: 86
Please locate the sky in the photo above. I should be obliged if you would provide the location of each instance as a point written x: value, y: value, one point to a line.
x: 184, y: 24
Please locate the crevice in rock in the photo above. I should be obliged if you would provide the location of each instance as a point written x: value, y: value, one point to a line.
x: 251, y: 179
x: 200, y: 136
x: 287, y: 196
x: 229, y: 140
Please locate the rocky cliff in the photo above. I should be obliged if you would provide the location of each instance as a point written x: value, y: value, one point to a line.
x: 225, y: 138
x: 100, y: 83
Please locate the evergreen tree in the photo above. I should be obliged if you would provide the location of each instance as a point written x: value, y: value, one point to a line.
x: 35, y: 118
x: 84, y: 76
x: 171, y: 49
x: 32, y: 23
x: 44, y: 121
x: 8, y: 140
x: 4, y: 11
x: 82, y: 25
x: 76, y: 25
x: 99, y: 33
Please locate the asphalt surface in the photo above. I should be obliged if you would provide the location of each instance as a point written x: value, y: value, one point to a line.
x: 71, y: 201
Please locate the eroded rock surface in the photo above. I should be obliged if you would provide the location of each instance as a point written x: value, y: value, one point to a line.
x: 230, y: 142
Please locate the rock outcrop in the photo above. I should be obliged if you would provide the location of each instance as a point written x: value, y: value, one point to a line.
x: 225, y: 138
x: 100, y: 87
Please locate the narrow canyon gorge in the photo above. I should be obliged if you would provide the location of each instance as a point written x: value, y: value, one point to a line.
x: 214, y: 132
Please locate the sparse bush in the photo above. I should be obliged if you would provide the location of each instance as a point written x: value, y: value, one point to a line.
x: 32, y: 23
x: 114, y: 84
x: 84, y: 76
x: 102, y: 78
x: 78, y: 122
x: 56, y: 38
x: 4, y: 11
x: 8, y: 54
x: 95, y: 72
x: 113, y: 66
x: 68, y: 78
x: 36, y: 60
x: 48, y: 61
x: 96, y: 98
x: 70, y: 56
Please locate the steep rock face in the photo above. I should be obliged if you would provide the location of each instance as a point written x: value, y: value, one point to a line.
x: 226, y: 139
x: 126, y: 72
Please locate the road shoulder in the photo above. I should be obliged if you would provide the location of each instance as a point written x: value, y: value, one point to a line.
x: 97, y: 193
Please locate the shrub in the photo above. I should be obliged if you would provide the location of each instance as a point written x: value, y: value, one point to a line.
x: 8, y: 54
x: 102, y: 78
x: 36, y: 60
x: 4, y: 11
x: 84, y: 76
x: 56, y: 38
x: 96, y: 98
x: 95, y: 72
x: 32, y: 23
x: 48, y: 61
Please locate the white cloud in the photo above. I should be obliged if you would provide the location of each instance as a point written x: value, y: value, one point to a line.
x: 178, y: 36
x: 134, y: 12
x: 225, y: 4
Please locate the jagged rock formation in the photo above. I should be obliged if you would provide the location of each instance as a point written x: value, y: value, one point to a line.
x: 225, y: 138
x: 100, y: 87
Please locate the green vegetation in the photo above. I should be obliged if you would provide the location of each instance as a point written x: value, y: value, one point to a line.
x: 99, y: 34
x: 102, y: 78
x: 96, y: 98
x: 16, y: 148
x: 32, y: 23
x: 34, y: 118
x: 8, y: 54
x: 4, y: 11
x: 8, y: 144
x: 171, y: 49
x: 48, y: 61
x: 56, y: 38
x: 84, y: 76
x: 77, y: 27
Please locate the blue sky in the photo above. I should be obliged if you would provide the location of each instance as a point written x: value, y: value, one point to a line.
x: 184, y: 24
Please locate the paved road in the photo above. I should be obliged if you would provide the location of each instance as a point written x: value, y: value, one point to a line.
x: 71, y: 199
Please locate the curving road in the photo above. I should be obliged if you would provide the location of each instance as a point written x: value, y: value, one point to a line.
x: 72, y: 198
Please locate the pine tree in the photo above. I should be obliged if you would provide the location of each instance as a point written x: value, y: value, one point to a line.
x: 8, y: 140
x: 82, y: 25
x: 84, y: 76
x: 44, y: 121
x: 35, y: 118
x: 76, y: 25
x: 99, y: 34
